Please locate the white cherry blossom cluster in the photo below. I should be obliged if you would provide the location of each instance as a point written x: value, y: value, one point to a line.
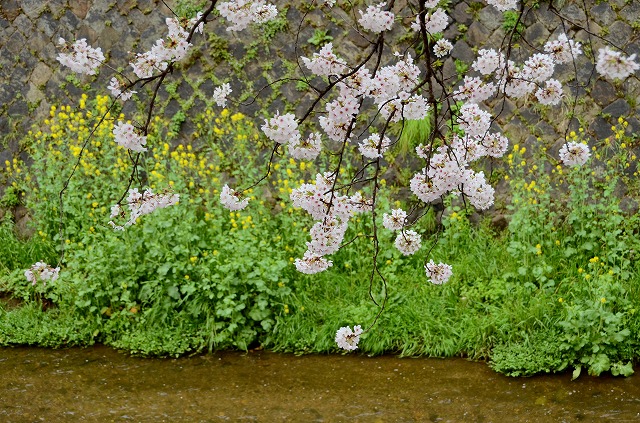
x: 408, y: 242
x: 243, y: 12
x: 372, y: 147
x: 306, y: 149
x: 435, y: 21
x: 140, y: 204
x: 574, y: 154
x: 332, y: 213
x: 533, y: 77
x: 551, y: 93
x: 165, y: 51
x: 281, y: 128
x: 438, y: 273
x: 348, y: 339
x: 442, y: 47
x: 126, y: 135
x: 503, y: 5
x: 448, y: 169
x: 41, y: 271
x: 80, y: 57
x: 220, y: 94
x: 116, y: 88
x: 312, y: 263
x: 473, y: 120
x: 375, y: 19
x: 394, y: 221
x: 340, y: 114
x: 230, y: 199
x: 562, y: 49
x: 474, y: 90
x: 613, y: 65
x: 325, y: 62
x: 488, y: 61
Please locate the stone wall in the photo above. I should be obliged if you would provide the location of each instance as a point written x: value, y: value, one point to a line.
x: 31, y: 79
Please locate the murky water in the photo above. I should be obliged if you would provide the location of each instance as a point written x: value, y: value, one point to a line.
x: 99, y: 384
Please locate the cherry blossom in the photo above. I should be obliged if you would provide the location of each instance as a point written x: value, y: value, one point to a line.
x: 81, y: 57
x: 613, y: 65
x: 375, y: 19
x: 574, y: 154
x: 348, y: 339
x: 438, y: 273
x: 229, y: 198
x: 41, y: 271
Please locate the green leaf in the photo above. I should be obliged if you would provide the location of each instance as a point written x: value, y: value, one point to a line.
x: 576, y: 372
x: 173, y: 292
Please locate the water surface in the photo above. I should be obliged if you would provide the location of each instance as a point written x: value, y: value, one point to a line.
x: 102, y: 385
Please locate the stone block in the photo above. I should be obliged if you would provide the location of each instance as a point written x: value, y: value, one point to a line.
x: 460, y: 14
x: 34, y: 95
x: 16, y: 43
x: 47, y: 24
x: 603, y: 92
x: 10, y: 9
x: 631, y: 12
x: 32, y: 8
x: 491, y: 18
x: 618, y: 108
x: 600, y: 128
x: 574, y: 13
x: 41, y: 74
x: 477, y: 34
x: 536, y: 34
x: 619, y: 33
x: 603, y: 14
x: 23, y: 24
x: 462, y: 51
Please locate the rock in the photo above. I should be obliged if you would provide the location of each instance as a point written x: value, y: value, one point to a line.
x: 34, y: 95
x: 500, y: 222
x: 603, y: 14
x: 40, y: 74
x: 574, y: 13
x: 477, y: 34
x: 23, y: 219
x: 536, y: 34
x: 619, y: 33
x: 460, y: 14
x: 631, y: 12
x: 603, y: 92
x: 618, y: 108
x: 10, y: 9
x: 491, y: 18
x: 32, y: 8
x: 462, y: 51
x: 600, y: 128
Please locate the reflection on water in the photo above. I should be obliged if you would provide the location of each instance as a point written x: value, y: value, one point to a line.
x: 99, y: 384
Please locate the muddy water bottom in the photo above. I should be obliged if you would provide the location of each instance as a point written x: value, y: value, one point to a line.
x: 99, y: 384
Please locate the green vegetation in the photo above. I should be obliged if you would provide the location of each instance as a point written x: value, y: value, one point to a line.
x: 512, y: 24
x: 557, y: 289
x: 320, y: 37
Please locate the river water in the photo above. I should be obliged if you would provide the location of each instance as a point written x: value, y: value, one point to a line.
x: 99, y: 384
